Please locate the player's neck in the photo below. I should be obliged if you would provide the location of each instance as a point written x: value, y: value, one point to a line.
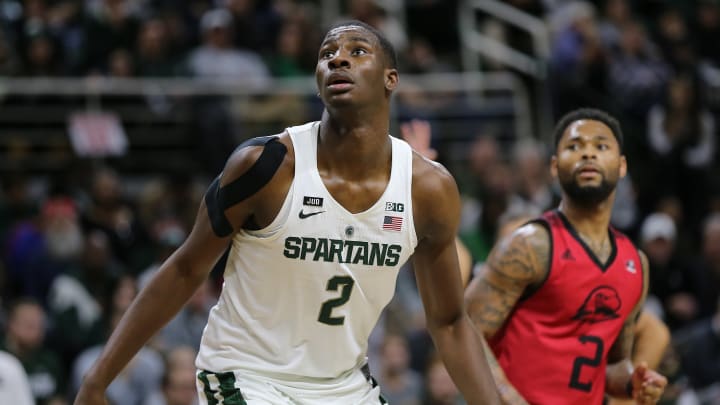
x: 354, y: 144
x: 590, y: 221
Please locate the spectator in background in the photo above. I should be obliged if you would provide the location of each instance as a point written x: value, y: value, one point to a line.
x: 708, y: 265
x: 16, y: 203
x: 707, y: 31
x: 673, y: 36
x: 42, y: 56
x: 495, y: 198
x: 179, y: 379
x: 218, y: 58
x: 121, y: 64
x: 9, y: 61
x: 439, y: 387
x: 483, y: 154
x: 142, y: 376
x: 59, y: 19
x: 637, y: 72
x: 699, y: 347
x: 578, y: 63
x: 37, y: 251
x: 400, y: 384
x: 164, y: 199
x: 625, y: 215
x: 420, y: 57
x: 167, y: 235
x: 14, y: 385
x: 110, y: 213
x: 24, y: 339
x: 79, y: 298
x: 533, y: 184
x: 290, y: 59
x: 670, y: 281
x: 110, y: 25
x: 186, y: 328
x: 256, y: 24
x: 681, y: 135
x: 154, y: 52
x: 616, y: 14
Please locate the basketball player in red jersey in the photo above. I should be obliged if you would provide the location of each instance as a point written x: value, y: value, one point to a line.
x: 559, y: 297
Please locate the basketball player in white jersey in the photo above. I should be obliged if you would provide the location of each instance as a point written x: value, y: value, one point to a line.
x: 319, y: 219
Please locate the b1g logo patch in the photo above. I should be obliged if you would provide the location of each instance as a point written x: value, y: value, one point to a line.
x: 394, y: 207
x: 602, y: 304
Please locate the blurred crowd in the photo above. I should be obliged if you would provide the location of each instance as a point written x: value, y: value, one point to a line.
x: 76, y: 247
x: 162, y: 38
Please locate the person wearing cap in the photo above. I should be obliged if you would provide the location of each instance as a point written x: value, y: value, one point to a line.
x: 670, y: 281
x: 217, y: 57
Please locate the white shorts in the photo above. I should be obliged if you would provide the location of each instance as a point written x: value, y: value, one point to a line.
x: 246, y: 388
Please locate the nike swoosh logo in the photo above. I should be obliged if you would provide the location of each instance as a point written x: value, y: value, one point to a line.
x: 303, y: 215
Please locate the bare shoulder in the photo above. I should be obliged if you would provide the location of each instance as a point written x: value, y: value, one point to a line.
x: 436, y: 200
x: 432, y: 183
x: 524, y: 254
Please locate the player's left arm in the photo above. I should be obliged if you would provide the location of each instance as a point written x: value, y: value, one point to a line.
x: 436, y: 209
x: 652, y: 337
x: 625, y: 380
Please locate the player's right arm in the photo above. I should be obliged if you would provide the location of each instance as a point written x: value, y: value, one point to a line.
x: 183, y: 272
x: 516, y: 264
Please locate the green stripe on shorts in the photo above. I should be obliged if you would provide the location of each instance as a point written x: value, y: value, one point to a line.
x: 228, y: 393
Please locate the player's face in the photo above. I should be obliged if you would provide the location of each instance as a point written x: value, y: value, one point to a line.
x: 588, y: 162
x: 351, y: 67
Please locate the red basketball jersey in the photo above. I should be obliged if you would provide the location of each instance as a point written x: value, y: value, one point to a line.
x: 553, y: 348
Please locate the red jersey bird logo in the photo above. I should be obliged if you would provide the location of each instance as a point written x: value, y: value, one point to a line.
x: 602, y: 304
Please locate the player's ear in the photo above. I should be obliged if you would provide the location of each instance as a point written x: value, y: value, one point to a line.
x: 623, y: 166
x: 553, y: 166
x: 391, y: 79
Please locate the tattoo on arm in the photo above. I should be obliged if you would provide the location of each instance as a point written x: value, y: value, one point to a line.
x: 514, y: 264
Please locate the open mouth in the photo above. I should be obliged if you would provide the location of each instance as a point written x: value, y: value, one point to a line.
x: 339, y: 82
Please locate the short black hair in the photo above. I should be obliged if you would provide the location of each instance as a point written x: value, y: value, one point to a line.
x: 387, y: 48
x: 588, y: 114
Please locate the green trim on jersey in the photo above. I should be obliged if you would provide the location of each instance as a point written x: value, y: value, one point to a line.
x: 228, y: 393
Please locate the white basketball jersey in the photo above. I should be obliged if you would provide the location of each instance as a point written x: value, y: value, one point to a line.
x: 302, y: 295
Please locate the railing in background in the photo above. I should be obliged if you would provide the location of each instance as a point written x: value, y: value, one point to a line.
x: 160, y: 116
x: 476, y: 44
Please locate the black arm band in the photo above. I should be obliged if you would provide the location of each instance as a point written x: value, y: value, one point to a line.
x: 220, y: 225
x: 218, y: 199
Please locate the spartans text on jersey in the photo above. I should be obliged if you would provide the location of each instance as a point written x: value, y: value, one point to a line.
x: 342, y: 251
